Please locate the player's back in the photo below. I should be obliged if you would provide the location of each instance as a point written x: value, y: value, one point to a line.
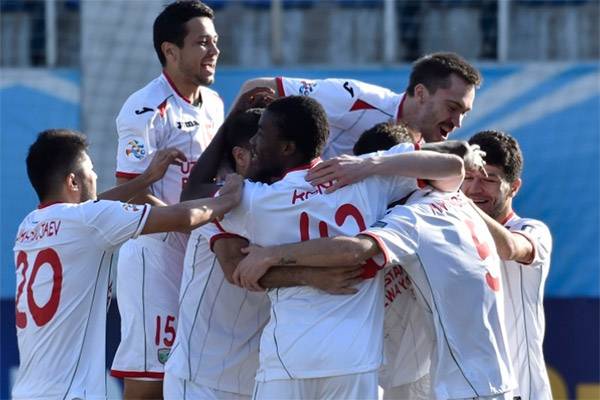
x: 343, y: 333
x: 63, y: 257
x: 457, y: 270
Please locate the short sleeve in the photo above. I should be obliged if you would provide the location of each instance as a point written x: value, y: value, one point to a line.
x: 396, y: 235
x: 137, y: 129
x: 539, y: 235
x: 114, y: 222
x: 236, y: 223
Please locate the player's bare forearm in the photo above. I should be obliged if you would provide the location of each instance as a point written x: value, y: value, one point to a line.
x: 206, y: 168
x: 188, y: 215
x: 127, y: 189
x: 229, y: 253
x: 510, y: 245
x: 140, y: 197
x: 338, y: 280
x: 419, y: 164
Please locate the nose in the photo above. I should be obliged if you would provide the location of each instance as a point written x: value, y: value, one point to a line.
x: 457, y: 119
x: 214, y: 49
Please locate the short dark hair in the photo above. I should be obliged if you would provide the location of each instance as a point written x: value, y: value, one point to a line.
x: 54, y: 155
x: 501, y: 150
x: 382, y: 136
x: 169, y: 26
x: 434, y: 70
x: 301, y: 119
x: 240, y: 129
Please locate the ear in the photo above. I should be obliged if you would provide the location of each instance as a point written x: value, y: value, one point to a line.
x: 421, y: 92
x: 72, y: 183
x: 170, y: 51
x: 241, y: 157
x: 514, y: 188
x: 288, y: 148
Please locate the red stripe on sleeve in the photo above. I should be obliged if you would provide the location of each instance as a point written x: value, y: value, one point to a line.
x: 280, y: 90
x: 126, y: 175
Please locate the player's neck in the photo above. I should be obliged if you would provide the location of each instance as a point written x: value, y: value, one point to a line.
x: 184, y: 87
x: 505, y: 215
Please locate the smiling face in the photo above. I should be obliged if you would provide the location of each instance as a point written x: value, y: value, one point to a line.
x: 197, y: 58
x: 443, y: 110
x: 267, y: 149
x: 493, y: 194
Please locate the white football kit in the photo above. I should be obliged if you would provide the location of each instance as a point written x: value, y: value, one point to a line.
x: 149, y: 268
x: 63, y: 254
x: 351, y: 106
x: 312, y: 334
x: 524, y: 309
x: 451, y: 258
x: 219, y: 324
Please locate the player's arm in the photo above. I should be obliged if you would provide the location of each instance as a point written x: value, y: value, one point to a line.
x: 269, y: 84
x: 510, y: 245
x: 333, y: 280
x: 445, y: 171
x: 155, y: 171
x: 339, y: 251
x: 188, y: 215
x: 229, y: 253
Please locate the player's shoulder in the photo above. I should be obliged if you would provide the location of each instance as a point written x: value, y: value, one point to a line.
x: 209, y: 94
x: 528, y: 225
x: 144, y: 103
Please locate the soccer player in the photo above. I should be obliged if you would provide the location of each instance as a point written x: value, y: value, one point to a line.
x: 177, y: 109
x: 215, y: 355
x: 316, y: 345
x: 524, y: 245
x: 450, y: 256
x: 440, y: 92
x: 63, y: 254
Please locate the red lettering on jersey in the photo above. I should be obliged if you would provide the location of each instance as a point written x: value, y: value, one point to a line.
x: 40, y: 231
x: 493, y: 283
x: 301, y: 196
x: 20, y: 316
x: 187, y: 166
x: 298, y: 196
x: 304, y: 227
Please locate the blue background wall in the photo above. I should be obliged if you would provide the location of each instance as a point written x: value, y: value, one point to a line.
x: 553, y: 111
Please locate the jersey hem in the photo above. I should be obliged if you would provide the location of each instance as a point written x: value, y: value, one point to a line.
x: 136, y: 374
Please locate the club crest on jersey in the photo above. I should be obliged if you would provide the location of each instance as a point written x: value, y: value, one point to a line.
x: 307, y: 88
x: 135, y: 149
x: 131, y: 207
x: 163, y: 355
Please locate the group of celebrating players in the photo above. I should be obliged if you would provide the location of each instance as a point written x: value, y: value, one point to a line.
x: 362, y: 250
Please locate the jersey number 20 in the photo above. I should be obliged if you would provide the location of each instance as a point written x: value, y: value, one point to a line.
x: 41, y: 314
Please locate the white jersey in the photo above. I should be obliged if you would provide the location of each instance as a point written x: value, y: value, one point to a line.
x: 408, y: 332
x: 157, y: 117
x: 219, y: 326
x: 524, y: 308
x: 312, y: 334
x: 351, y: 107
x: 450, y: 256
x: 63, y: 254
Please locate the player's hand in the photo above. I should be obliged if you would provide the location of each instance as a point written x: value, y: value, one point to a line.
x: 336, y: 280
x: 161, y: 161
x: 258, y: 97
x: 231, y: 192
x: 252, y: 268
x: 474, y: 159
x: 342, y: 171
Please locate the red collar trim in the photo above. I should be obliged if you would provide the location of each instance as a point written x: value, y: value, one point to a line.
x: 303, y: 166
x: 45, y: 204
x: 175, y: 88
x: 400, y: 108
x: 508, y: 217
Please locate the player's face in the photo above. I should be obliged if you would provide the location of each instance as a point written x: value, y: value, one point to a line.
x: 493, y: 194
x: 266, y: 149
x: 86, y: 179
x: 198, y: 57
x: 444, y: 110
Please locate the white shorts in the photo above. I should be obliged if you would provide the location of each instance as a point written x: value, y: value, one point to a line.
x: 417, y: 390
x: 175, y: 388
x: 148, y: 279
x: 357, y: 386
